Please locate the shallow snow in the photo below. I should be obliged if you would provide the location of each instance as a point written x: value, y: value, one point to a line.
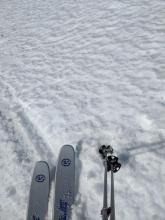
x: 84, y: 73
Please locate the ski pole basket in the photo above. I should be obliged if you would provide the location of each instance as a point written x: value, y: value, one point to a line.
x: 112, y: 163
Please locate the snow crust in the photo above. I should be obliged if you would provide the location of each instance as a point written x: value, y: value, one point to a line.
x: 84, y: 73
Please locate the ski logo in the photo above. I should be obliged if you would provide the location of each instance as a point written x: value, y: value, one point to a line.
x: 40, y: 178
x: 66, y: 162
x: 35, y: 218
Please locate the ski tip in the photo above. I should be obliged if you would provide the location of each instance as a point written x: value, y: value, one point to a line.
x: 67, y: 146
x: 41, y: 169
x: 66, y: 151
x: 38, y: 163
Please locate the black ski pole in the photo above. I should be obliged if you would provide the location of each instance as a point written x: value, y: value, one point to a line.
x: 114, y: 166
x: 104, y: 210
x: 112, y: 217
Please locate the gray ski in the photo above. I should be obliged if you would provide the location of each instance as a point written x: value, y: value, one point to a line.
x: 64, y: 183
x: 39, y: 192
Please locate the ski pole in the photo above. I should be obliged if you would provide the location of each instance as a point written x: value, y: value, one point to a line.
x: 104, y: 210
x: 112, y: 217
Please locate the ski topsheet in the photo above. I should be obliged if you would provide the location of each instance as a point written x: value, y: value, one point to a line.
x: 39, y: 192
x: 64, y: 184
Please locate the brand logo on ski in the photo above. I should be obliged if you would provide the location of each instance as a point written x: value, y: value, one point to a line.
x: 66, y: 162
x: 35, y: 218
x: 40, y: 178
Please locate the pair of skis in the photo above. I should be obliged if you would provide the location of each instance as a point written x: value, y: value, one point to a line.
x: 64, y: 187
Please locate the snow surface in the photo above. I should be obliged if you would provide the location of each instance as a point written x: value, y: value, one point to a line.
x: 84, y: 73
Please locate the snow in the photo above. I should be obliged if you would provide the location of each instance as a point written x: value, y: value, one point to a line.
x: 84, y: 73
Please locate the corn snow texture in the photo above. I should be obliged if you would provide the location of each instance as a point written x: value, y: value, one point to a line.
x: 84, y: 73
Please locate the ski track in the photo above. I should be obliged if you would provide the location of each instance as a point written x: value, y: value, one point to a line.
x: 21, y: 146
x: 83, y: 73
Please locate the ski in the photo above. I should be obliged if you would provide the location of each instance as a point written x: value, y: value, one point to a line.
x: 39, y: 192
x: 64, y: 183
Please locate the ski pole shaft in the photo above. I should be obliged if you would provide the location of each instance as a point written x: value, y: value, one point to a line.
x: 104, y: 210
x: 112, y: 196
